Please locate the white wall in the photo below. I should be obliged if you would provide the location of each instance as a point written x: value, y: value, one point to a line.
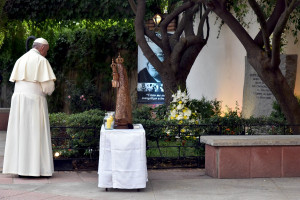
x: 295, y: 49
x: 219, y: 69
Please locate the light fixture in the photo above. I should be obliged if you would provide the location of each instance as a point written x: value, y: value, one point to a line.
x: 157, y: 19
x: 56, y: 154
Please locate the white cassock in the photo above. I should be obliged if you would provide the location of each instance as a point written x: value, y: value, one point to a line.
x: 28, y: 149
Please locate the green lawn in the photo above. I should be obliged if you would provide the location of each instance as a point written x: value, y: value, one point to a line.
x: 173, y: 149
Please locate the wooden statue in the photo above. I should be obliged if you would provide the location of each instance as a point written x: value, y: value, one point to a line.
x: 123, y: 116
x: 115, y: 81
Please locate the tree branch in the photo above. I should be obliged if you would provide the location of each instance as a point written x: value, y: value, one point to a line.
x: 140, y: 36
x: 194, y: 40
x: 234, y: 25
x: 132, y: 5
x: 164, y: 25
x: 271, y: 22
x: 183, y: 45
x: 278, y: 32
x: 179, y: 29
x: 148, y: 33
x: 153, y: 37
x: 201, y: 23
x: 297, y: 4
x: 176, y: 12
x: 188, y: 28
x: 262, y: 21
x: 207, y: 29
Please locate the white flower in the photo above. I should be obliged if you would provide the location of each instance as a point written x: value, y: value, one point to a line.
x: 174, y: 99
x: 180, y: 106
x: 188, y: 112
x: 179, y: 117
x: 178, y: 93
x: 184, y: 95
x: 173, y: 113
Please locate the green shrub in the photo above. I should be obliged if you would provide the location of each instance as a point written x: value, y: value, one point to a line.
x: 80, y: 52
x: 206, y: 108
x: 79, y: 141
x: 143, y: 113
x: 58, y: 119
x: 90, y: 118
x: 277, y: 113
x: 82, y: 98
x: 161, y: 111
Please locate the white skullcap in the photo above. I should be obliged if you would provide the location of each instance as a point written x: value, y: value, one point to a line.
x: 41, y: 41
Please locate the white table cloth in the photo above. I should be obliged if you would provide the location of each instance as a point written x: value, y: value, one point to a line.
x: 122, y: 159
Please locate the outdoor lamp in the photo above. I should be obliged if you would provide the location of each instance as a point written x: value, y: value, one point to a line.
x: 157, y: 19
x: 56, y: 154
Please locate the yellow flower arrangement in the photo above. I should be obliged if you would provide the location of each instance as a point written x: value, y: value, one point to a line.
x: 182, y: 113
x: 179, y: 107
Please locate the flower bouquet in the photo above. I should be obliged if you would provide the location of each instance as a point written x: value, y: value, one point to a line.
x: 181, y: 112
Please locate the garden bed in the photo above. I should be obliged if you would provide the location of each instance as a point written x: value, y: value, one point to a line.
x: 75, y: 164
x: 152, y: 163
x: 168, y: 163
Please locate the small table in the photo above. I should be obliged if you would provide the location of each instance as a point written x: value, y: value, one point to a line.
x: 122, y: 158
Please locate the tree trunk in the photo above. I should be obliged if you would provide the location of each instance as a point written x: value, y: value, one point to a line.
x: 172, y: 83
x: 180, y: 49
x: 173, y: 80
x: 278, y: 85
x: 266, y: 64
x: 170, y: 87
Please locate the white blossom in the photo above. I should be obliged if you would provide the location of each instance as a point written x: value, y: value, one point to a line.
x: 173, y: 113
x: 188, y: 112
x: 179, y: 117
x: 178, y: 93
x: 180, y: 106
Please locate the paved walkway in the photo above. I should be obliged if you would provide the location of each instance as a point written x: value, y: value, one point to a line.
x: 2, y: 145
x: 162, y: 185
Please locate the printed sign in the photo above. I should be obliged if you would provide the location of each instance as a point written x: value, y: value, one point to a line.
x: 150, y: 88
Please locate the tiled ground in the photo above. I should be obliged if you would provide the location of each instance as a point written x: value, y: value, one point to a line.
x: 27, y: 195
x: 2, y: 146
x: 187, y: 184
x: 58, y: 177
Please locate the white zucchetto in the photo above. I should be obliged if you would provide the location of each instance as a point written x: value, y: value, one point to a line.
x: 41, y: 41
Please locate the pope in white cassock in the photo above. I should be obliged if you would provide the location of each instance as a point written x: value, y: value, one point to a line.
x: 28, y: 150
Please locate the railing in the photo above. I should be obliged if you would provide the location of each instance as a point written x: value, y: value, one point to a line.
x: 175, y: 146
x: 168, y: 146
x: 79, y: 145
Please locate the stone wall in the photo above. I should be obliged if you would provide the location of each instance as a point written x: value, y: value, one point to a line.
x: 270, y: 156
x: 257, y: 98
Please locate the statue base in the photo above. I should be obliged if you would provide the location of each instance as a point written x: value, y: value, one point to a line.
x: 123, y: 126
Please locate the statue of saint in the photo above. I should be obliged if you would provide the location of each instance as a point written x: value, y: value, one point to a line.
x: 115, y: 81
x: 123, y: 116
